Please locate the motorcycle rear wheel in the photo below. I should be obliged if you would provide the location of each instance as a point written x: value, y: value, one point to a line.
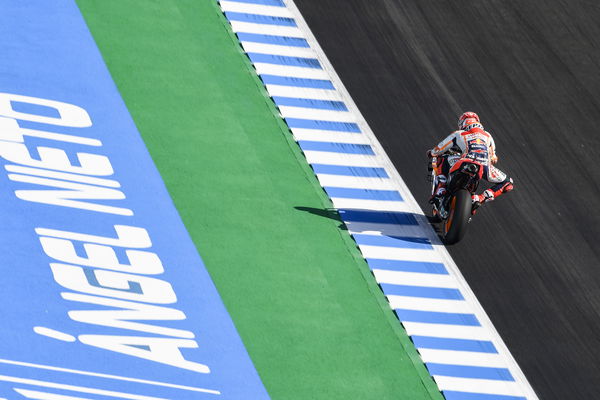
x: 459, y: 208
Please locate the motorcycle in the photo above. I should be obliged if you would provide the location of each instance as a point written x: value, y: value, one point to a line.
x: 456, y: 208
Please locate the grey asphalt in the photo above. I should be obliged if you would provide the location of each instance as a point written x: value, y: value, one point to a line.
x: 531, y: 71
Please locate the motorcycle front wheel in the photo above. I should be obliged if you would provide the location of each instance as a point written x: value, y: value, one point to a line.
x: 459, y: 212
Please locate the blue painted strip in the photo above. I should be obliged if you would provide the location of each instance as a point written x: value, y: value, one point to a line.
x: 364, y: 172
x: 276, y: 3
x: 333, y: 147
x: 323, y: 125
x: 35, y: 109
x: 393, y: 241
x: 430, y: 342
x: 363, y: 194
x: 378, y: 217
x: 453, y: 395
x: 284, y: 60
x: 462, y: 371
x: 58, y: 63
x: 297, y: 82
x: 407, y: 266
x: 432, y: 317
x: 259, y: 19
x: 272, y: 39
x: 421, y: 291
x: 310, y: 103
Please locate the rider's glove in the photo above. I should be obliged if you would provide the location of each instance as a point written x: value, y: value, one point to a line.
x: 494, y: 159
x: 429, y: 154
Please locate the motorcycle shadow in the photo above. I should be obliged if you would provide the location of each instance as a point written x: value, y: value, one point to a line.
x: 404, y: 226
x: 437, y: 228
x: 330, y: 213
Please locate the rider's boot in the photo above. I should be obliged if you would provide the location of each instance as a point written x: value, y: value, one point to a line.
x: 479, y: 199
x: 487, y: 195
x: 491, y: 194
x: 439, y: 191
x: 437, y: 198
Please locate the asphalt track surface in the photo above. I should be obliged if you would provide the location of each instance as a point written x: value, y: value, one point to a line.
x: 531, y: 71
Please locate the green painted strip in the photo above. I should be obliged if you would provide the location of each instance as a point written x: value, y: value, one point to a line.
x: 303, y: 300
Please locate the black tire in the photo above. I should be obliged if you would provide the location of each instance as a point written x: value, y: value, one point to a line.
x: 455, y: 226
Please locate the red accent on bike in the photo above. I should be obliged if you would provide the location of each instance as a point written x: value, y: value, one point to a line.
x: 462, y: 161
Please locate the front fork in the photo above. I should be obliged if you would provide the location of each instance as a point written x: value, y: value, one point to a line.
x: 442, y: 209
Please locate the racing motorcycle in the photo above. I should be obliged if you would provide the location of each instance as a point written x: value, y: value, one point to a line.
x: 456, y: 207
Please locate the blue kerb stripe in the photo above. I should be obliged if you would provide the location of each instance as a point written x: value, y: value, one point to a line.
x: 462, y: 371
x: 259, y: 19
x: 276, y: 3
x: 297, y: 82
x: 284, y: 60
x: 453, y: 395
x: 310, y: 103
x: 407, y: 266
x: 433, y: 317
x: 323, y: 125
x: 333, y: 147
x: 378, y: 217
x: 393, y: 241
x: 430, y: 342
x: 421, y: 291
x: 272, y: 39
x: 364, y: 194
x: 365, y: 172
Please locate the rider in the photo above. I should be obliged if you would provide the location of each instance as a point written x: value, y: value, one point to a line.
x: 470, y: 141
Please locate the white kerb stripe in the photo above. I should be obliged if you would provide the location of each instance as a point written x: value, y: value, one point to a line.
x: 446, y: 331
x: 486, y: 386
x: 325, y: 157
x: 329, y: 136
x: 469, y: 358
x: 374, y: 205
x: 383, y: 229
x: 291, y: 51
x: 356, y: 182
x: 247, y: 8
x: 314, y: 113
x: 285, y: 70
x: 394, y: 253
x: 262, y: 29
x: 303, y: 93
x: 424, y: 304
x: 415, y: 279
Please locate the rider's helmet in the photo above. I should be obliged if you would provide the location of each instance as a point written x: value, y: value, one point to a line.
x: 466, y: 119
x: 474, y: 128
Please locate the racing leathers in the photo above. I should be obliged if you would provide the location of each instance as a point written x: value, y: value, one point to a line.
x: 476, y: 144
